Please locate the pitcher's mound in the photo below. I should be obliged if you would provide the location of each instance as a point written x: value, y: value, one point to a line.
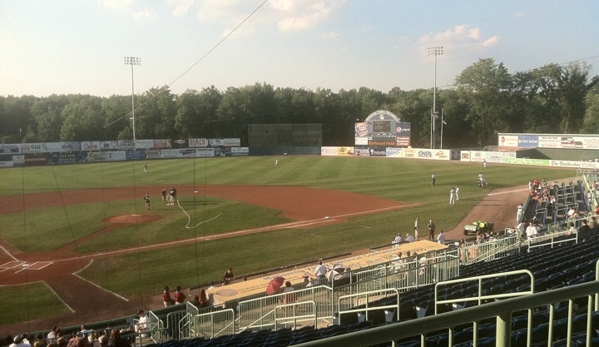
x: 132, y: 218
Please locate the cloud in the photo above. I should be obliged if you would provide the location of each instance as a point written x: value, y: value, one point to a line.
x: 303, y: 14
x: 461, y: 38
x: 518, y: 15
x: 180, y: 7
x: 133, y: 8
x: 329, y: 35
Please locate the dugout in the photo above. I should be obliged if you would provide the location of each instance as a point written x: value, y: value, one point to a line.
x: 277, y: 139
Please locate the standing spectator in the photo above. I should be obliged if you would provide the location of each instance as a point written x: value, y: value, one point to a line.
x: 452, y: 196
x: 228, y: 276
x: 431, y: 230
x: 167, y: 300
x: 179, y: 296
x: 433, y: 178
x: 416, y: 226
x: 142, y: 325
x: 321, y: 270
x: 289, y: 297
x: 441, y: 237
x: 531, y: 230
x: 520, y: 213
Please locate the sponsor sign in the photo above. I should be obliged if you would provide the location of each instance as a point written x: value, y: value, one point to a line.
x: 98, y: 157
x: 570, y: 142
x: 91, y: 146
x: 329, y: 151
x: 402, y: 141
x: 410, y: 153
x: 361, y: 130
x: 394, y: 152
x: 574, y: 164
x: 378, y: 151
x: 382, y: 143
x: 205, y: 152
x: 6, y: 164
x: 135, y: 154
x: 198, y: 142
x: 144, y: 144
x: 361, y: 141
x: 239, y: 151
x: 529, y: 141
x: 216, y: 142
x: 162, y: 144
x: 550, y: 141
x: 35, y: 159
x: 66, y: 158
x: 18, y: 160
x: 465, y: 155
x: 507, y: 141
x: 525, y: 161
x: 345, y: 151
x: 361, y: 152
x: 10, y: 148
x: 232, y: 142
x: 403, y: 129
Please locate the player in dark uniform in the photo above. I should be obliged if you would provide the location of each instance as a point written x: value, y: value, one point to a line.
x: 147, y: 201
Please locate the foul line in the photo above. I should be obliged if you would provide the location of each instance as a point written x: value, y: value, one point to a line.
x: 76, y: 274
x: 509, y: 191
x: 58, y: 296
x: 8, y: 253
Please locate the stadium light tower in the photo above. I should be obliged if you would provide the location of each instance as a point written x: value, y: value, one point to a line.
x: 132, y: 61
x: 436, y: 51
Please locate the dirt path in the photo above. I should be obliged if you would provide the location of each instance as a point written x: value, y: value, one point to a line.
x: 308, y: 206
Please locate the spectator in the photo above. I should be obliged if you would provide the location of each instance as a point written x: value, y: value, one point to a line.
x: 531, y: 231
x: 39, y: 340
x: 321, y: 270
x: 584, y: 227
x: 289, y: 297
x: 409, y: 238
x: 179, y: 296
x: 52, y: 334
x: 441, y: 237
x: 142, y: 325
x: 520, y: 213
x: 167, y: 300
x: 20, y: 341
x: 431, y: 230
x: 116, y: 340
x: 228, y: 276
x: 397, y: 240
x: 203, y: 298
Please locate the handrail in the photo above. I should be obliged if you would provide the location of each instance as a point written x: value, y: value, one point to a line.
x: 502, y: 310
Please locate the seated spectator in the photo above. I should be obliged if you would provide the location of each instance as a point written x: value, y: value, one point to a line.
x: 397, y: 240
x: 228, y: 276
x: 584, y: 227
x: 409, y: 238
x: 20, y: 341
x: 116, y: 340
x: 531, y: 231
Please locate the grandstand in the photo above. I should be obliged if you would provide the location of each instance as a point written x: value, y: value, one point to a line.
x: 506, y: 291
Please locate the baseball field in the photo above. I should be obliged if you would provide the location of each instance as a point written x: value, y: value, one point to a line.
x: 78, y: 244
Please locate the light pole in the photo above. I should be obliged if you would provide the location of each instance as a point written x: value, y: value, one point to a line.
x: 436, y: 51
x: 132, y: 61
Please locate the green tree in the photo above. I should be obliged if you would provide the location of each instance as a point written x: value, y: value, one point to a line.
x: 83, y: 120
x: 197, y: 112
x: 590, y: 124
x: 155, y: 113
x: 485, y: 86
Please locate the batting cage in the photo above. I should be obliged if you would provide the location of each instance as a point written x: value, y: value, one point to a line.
x: 276, y: 139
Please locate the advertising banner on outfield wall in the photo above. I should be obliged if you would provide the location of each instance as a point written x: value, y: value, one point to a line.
x: 361, y: 152
x: 465, y: 155
x: 329, y: 151
x: 135, y: 154
x: 91, y: 146
x: 240, y: 151
x: 10, y: 148
x: 507, y: 141
x: 378, y: 151
x: 528, y: 141
x: 66, y: 158
x: 35, y: 159
x: 216, y: 142
x: 525, y: 161
x: 144, y: 144
x: 574, y: 164
x: 106, y: 156
x: 6, y: 164
x: 394, y: 152
x: 232, y: 142
x: 163, y: 144
x: 198, y: 143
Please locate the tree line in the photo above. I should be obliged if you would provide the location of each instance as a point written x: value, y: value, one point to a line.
x: 485, y: 100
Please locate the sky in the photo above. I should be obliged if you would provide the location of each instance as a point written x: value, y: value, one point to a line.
x: 78, y: 46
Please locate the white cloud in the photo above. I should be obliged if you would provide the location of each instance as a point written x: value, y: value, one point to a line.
x: 518, y: 15
x: 180, y: 7
x: 461, y: 39
x: 302, y: 14
x: 133, y: 8
x: 218, y: 10
x: 493, y: 41
x: 329, y: 35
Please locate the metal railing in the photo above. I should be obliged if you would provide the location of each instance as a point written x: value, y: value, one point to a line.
x: 213, y: 324
x: 490, y: 250
x: 362, y: 304
x: 501, y: 311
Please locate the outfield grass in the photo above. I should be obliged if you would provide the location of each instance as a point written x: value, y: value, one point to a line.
x: 146, y: 272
